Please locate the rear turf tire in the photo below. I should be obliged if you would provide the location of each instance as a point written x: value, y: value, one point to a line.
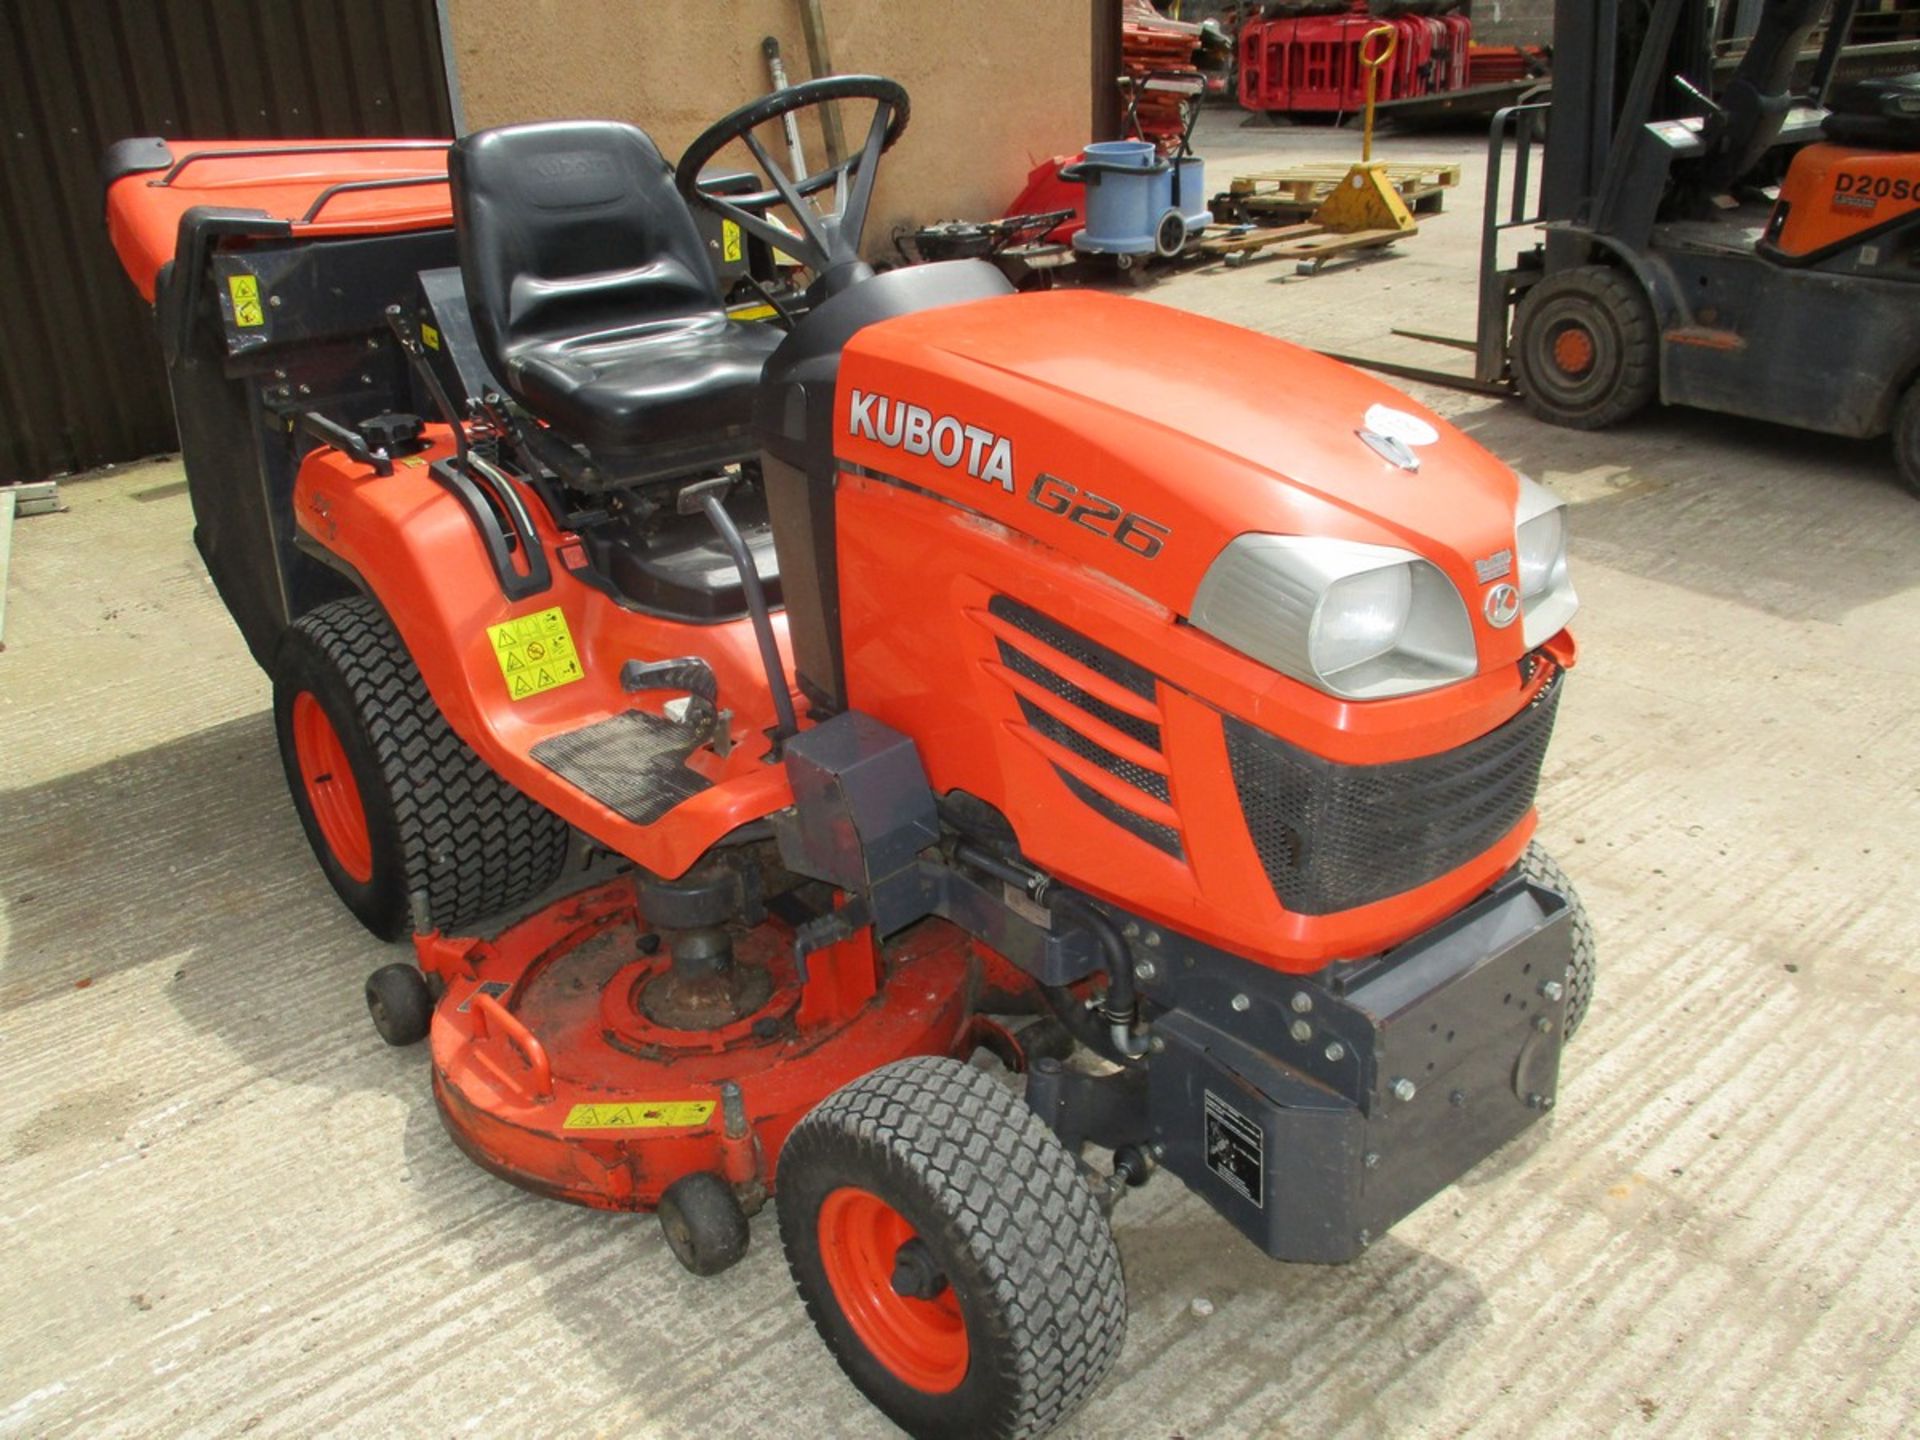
x: 1542, y: 869
x: 393, y: 802
x: 1586, y: 348
x: 1025, y: 1309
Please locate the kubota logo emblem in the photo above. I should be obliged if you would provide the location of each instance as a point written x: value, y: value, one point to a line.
x: 950, y: 441
x: 1503, y: 606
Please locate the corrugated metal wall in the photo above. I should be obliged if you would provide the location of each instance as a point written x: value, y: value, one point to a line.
x: 81, y: 382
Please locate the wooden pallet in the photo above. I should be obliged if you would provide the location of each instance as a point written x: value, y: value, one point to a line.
x: 1310, y: 247
x: 1301, y: 188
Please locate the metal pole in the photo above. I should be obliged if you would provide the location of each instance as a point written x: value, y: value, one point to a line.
x: 456, y: 107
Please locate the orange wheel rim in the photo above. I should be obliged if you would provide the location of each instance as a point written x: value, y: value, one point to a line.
x: 1573, y: 350
x: 331, y: 792
x: 922, y: 1342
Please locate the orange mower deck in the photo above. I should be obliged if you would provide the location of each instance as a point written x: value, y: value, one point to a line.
x: 549, y: 1072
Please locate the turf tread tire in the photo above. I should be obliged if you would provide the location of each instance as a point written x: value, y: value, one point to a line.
x: 982, y: 1178
x: 444, y: 826
x: 1612, y: 305
x: 1541, y: 868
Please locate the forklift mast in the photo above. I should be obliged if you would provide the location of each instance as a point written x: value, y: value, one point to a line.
x: 1622, y: 65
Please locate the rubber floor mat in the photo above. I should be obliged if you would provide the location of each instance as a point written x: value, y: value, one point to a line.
x: 633, y: 763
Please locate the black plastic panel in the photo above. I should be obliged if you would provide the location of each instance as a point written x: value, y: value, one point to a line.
x: 1313, y: 1119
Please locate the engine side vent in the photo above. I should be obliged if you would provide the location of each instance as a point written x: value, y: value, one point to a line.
x: 1030, y: 663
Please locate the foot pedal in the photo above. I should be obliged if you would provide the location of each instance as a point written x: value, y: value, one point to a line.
x: 634, y: 763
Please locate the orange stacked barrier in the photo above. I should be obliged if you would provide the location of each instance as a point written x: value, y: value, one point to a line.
x: 1153, y: 47
x: 1304, y: 57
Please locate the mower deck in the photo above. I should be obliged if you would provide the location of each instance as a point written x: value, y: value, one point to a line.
x: 566, y: 1061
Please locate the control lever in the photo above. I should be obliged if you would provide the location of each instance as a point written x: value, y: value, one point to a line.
x: 349, y: 442
x: 706, y: 496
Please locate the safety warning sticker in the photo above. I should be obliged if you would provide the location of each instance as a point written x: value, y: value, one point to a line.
x: 245, y: 291
x: 535, y: 653
x: 1236, y: 1150
x: 729, y: 241
x: 639, y: 1115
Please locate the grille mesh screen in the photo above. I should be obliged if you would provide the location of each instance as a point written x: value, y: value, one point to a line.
x: 1332, y: 837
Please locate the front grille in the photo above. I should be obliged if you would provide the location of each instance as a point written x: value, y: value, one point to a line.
x: 1332, y: 837
x: 1029, y: 663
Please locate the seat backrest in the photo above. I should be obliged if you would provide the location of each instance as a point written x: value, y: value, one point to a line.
x: 571, y: 229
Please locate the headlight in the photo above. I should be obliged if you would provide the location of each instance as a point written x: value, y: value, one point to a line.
x: 1547, y: 600
x: 1359, y: 621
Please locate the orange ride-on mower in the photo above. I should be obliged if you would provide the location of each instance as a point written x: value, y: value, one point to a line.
x: 937, y: 671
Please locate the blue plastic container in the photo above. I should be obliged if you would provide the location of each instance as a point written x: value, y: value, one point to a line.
x: 1128, y: 189
x: 1193, y: 193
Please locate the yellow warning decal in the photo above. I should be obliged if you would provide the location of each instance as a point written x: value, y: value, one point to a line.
x: 729, y: 240
x: 639, y: 1115
x: 752, y: 312
x: 246, y: 301
x: 429, y: 337
x: 535, y: 653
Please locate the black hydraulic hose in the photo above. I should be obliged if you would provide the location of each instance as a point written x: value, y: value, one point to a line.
x: 1122, y: 1005
x: 1121, y: 1008
x: 757, y: 609
x: 1000, y: 869
x: 1080, y: 1023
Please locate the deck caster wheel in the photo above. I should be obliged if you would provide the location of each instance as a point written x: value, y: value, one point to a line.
x: 950, y: 1253
x: 400, y: 1003
x: 703, y: 1223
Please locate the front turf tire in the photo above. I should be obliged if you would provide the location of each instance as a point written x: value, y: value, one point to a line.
x: 393, y: 802
x: 1542, y: 869
x: 929, y: 1173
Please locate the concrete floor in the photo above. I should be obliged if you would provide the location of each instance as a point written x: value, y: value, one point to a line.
x: 226, y: 1207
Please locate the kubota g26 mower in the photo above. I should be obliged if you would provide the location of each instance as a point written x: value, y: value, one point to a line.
x: 753, y: 724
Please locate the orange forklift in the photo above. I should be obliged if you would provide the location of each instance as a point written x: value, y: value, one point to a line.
x: 1746, y: 242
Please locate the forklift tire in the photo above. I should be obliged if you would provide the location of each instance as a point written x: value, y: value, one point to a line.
x: 1906, y: 439
x: 393, y: 802
x: 1542, y: 869
x: 400, y: 1003
x: 703, y: 1223
x: 1586, y: 348
x: 950, y: 1253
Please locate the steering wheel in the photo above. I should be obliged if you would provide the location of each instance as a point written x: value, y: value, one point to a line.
x: 826, y: 241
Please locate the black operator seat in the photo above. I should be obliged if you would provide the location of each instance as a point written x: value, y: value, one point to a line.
x: 1882, y: 113
x: 593, y: 300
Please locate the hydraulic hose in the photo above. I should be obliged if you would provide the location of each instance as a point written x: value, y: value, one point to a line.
x: 1122, y: 1005
x: 1121, y: 1008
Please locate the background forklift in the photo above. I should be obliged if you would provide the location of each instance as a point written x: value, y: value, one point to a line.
x: 1748, y: 247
